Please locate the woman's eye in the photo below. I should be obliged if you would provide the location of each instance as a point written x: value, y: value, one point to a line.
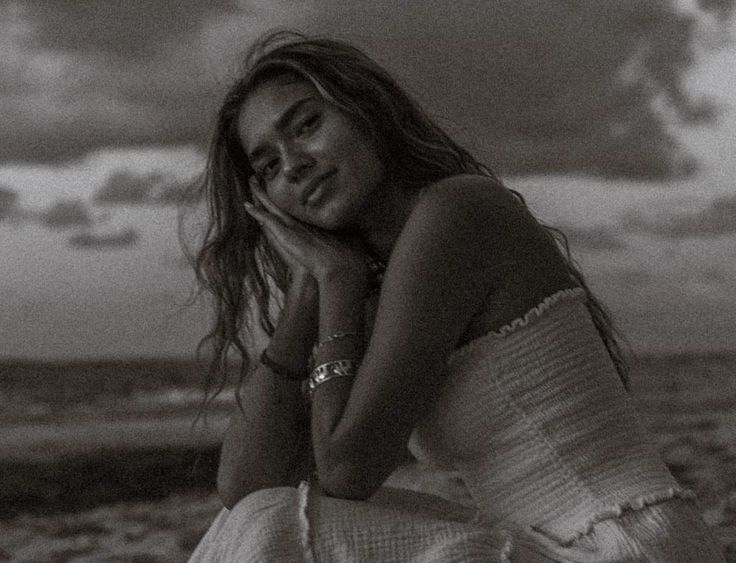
x: 268, y: 170
x: 308, y: 124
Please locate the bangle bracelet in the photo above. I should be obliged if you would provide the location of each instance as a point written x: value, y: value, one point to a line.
x: 331, y: 370
x: 338, y: 336
x: 279, y: 369
x: 335, y: 336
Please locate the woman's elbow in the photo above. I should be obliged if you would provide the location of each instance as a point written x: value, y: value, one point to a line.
x: 349, y: 482
x: 232, y: 486
x: 229, y: 492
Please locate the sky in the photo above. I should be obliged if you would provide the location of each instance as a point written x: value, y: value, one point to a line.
x: 616, y: 120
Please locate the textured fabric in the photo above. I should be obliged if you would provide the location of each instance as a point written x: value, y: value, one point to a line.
x: 536, y: 437
x: 537, y: 423
x: 289, y: 525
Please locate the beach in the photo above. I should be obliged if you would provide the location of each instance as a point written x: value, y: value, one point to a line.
x: 100, y: 461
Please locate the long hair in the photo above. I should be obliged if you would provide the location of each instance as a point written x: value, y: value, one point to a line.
x: 235, y: 263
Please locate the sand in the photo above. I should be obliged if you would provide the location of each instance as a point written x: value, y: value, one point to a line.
x: 687, y: 402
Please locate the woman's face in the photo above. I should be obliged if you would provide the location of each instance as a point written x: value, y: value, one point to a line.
x: 312, y: 160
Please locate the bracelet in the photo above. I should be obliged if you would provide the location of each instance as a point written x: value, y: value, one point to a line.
x: 279, y: 369
x: 339, y: 336
x: 331, y: 370
x: 333, y: 337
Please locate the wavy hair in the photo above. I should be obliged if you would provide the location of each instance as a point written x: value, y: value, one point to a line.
x: 236, y: 265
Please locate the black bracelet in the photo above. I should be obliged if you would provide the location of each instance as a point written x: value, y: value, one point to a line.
x: 280, y: 370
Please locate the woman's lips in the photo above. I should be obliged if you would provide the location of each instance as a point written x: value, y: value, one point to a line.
x: 316, y: 189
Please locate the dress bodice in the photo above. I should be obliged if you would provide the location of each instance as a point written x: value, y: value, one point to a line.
x: 535, y: 421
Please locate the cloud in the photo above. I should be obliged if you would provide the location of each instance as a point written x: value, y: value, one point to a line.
x: 65, y: 214
x: 681, y: 275
x: 8, y: 202
x: 109, y: 241
x: 124, y: 187
x: 178, y: 192
x: 593, y: 238
x: 722, y: 8
x: 558, y: 86
x: 632, y: 277
x: 718, y: 219
x: 555, y: 86
x: 79, y: 76
x: 137, y: 29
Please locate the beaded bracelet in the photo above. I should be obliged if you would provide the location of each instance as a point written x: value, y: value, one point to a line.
x: 279, y: 369
x: 331, y: 370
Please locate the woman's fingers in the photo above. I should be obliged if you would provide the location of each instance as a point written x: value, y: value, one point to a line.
x: 256, y: 190
x: 299, y: 244
x: 271, y: 231
x: 261, y: 197
x: 280, y: 236
x: 254, y: 212
x: 266, y: 219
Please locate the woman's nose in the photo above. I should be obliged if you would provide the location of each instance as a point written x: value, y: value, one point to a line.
x: 296, y: 163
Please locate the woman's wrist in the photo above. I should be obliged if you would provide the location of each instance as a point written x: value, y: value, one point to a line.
x: 303, y: 291
x: 288, y: 357
x: 351, y: 280
x: 296, y: 330
x: 341, y: 309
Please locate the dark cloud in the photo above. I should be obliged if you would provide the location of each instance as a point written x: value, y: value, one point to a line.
x: 677, y: 275
x: 717, y: 275
x: 65, y: 214
x: 556, y: 86
x: 124, y: 187
x: 717, y: 219
x: 722, y: 8
x: 135, y: 28
x: 177, y: 192
x: 635, y: 277
x: 625, y: 277
x: 594, y: 238
x: 108, y: 241
x: 8, y: 202
x: 104, y: 74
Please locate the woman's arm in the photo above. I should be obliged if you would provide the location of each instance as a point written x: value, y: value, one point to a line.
x: 441, y: 269
x: 267, y: 443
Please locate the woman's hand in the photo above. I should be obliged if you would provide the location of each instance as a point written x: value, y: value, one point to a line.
x: 308, y: 250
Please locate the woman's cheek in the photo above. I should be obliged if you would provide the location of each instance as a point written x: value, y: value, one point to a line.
x: 276, y: 193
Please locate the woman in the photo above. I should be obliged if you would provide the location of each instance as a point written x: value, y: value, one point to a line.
x: 423, y: 305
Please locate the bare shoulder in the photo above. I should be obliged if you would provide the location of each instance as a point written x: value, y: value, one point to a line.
x: 458, y: 223
x: 469, y: 201
x: 482, y: 224
x: 466, y: 189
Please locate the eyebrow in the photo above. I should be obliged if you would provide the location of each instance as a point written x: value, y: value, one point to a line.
x: 282, y: 122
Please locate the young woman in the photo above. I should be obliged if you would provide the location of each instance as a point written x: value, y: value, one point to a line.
x: 413, y: 301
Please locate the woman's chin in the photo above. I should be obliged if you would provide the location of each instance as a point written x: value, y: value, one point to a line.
x: 329, y: 218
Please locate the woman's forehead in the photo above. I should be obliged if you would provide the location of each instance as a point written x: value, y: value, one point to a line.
x: 269, y: 104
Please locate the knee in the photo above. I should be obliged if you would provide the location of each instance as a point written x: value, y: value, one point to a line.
x: 262, y: 526
x: 265, y: 502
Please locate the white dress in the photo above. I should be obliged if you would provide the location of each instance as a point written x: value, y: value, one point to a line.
x: 534, y: 435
